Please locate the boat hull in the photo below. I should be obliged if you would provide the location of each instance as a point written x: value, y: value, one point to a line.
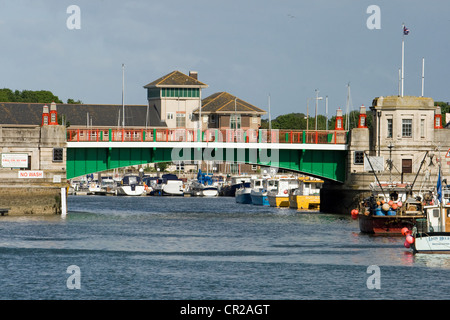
x: 431, y: 242
x: 278, y: 201
x: 209, y: 192
x: 304, y: 202
x: 244, y: 198
x: 260, y: 199
x: 130, y: 190
x: 387, y: 225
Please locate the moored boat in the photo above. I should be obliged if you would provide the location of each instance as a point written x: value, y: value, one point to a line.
x: 259, y: 195
x: 279, y: 197
x: 432, y: 233
x: 242, y: 194
x: 307, y: 195
x: 131, y: 185
x: 389, y: 209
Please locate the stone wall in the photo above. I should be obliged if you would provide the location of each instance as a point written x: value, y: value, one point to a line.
x: 41, y: 194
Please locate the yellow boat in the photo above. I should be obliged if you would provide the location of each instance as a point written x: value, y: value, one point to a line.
x: 279, y: 197
x: 307, y: 196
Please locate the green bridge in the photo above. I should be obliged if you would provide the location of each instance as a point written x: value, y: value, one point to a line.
x: 322, y: 154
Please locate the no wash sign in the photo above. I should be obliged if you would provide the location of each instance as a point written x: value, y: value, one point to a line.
x: 31, y: 174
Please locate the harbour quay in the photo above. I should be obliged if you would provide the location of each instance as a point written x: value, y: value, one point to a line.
x: 33, y: 169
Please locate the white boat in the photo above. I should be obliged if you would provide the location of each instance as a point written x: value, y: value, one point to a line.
x: 280, y: 197
x: 259, y: 194
x: 432, y: 234
x: 168, y: 185
x: 131, y: 185
x: 197, y: 189
x: 106, y: 186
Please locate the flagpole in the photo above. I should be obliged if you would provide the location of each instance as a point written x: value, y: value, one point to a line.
x: 423, y: 73
x: 403, y: 57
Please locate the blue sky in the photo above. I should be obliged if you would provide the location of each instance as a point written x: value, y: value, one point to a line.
x: 249, y: 48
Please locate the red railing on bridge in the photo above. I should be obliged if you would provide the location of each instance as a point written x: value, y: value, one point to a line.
x: 209, y: 135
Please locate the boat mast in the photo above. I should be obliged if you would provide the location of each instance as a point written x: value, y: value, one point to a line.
x: 123, y: 95
x: 376, y: 177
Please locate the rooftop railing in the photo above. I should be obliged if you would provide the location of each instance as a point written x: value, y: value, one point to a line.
x: 208, y: 135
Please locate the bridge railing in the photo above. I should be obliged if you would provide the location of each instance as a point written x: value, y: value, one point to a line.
x: 208, y: 135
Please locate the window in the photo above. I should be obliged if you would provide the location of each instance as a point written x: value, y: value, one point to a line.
x: 406, y: 166
x: 437, y: 123
x: 58, y: 154
x: 359, y: 157
x: 389, y: 128
x: 181, y: 120
x: 180, y: 92
x: 235, y: 120
x: 422, y: 128
x: 407, y: 128
x: 169, y: 115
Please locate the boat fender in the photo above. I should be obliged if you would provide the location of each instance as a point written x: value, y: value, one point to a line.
x: 410, y: 239
x: 407, y: 245
x: 285, y: 191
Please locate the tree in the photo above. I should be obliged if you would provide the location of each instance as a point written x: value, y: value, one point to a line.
x: 72, y: 101
x: 41, y: 96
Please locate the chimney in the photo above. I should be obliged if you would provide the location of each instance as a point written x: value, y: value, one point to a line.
x: 193, y: 74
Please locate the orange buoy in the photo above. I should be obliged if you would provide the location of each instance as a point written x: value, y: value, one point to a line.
x: 405, y: 231
x: 394, y: 206
x: 406, y: 244
x: 399, y: 204
x: 410, y: 239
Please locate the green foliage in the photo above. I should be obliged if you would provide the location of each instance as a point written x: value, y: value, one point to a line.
x: 41, y: 96
x: 72, y: 101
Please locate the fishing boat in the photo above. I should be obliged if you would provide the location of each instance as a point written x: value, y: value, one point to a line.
x: 235, y: 183
x: 391, y: 206
x: 131, y: 185
x: 279, y: 197
x: 242, y: 194
x: 432, y: 233
x: 307, y: 195
x: 389, y: 209
x: 259, y: 194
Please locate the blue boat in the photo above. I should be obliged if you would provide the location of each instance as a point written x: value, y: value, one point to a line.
x: 242, y: 194
x: 260, y: 189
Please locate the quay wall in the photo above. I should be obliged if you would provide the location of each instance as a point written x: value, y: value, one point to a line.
x: 33, y: 188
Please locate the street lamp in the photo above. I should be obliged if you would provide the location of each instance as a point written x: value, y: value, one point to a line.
x: 317, y: 99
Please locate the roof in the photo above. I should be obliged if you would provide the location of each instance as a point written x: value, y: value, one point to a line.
x: 76, y: 114
x: 223, y: 102
x: 176, y: 78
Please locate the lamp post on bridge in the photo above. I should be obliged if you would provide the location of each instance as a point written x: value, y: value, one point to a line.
x: 317, y: 99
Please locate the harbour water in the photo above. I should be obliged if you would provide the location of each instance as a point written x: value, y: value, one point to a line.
x: 175, y: 248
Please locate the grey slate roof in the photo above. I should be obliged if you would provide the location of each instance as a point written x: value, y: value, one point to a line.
x: 76, y: 114
x: 223, y: 102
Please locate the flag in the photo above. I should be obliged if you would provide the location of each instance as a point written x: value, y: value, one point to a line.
x: 405, y: 30
x: 439, y: 187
